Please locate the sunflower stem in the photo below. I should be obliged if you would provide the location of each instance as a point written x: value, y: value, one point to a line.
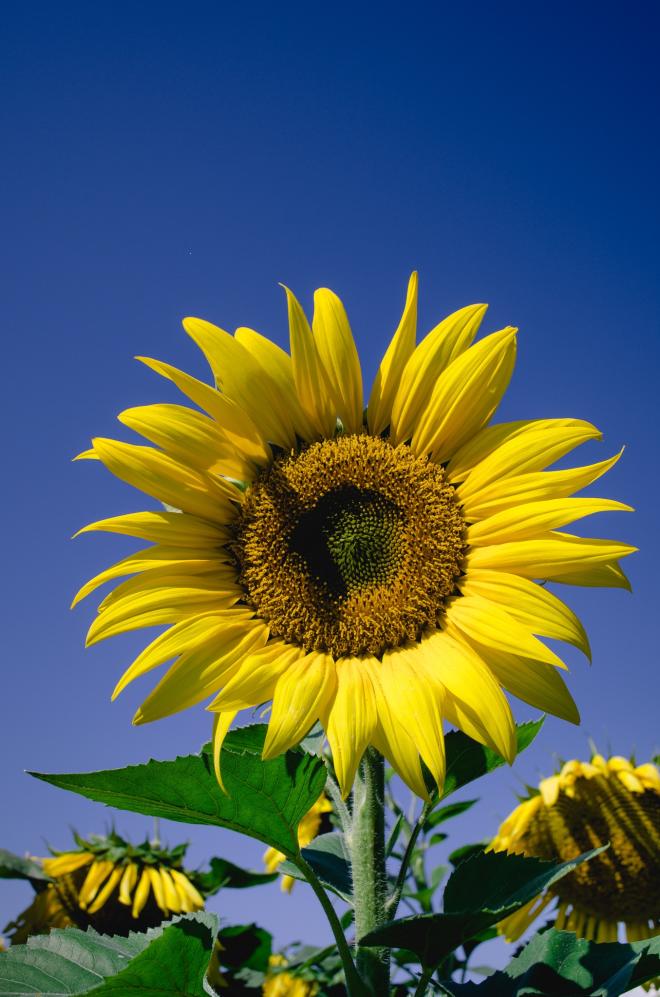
x: 393, y: 901
x: 367, y: 847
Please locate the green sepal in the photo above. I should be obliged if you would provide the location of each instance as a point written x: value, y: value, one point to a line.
x: 264, y: 799
x: 481, y: 891
x: 21, y: 867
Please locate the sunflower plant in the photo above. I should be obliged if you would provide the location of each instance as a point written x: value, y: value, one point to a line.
x: 372, y: 569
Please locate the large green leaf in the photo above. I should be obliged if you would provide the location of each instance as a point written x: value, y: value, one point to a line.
x: 481, y: 891
x: 265, y: 800
x: 168, y: 960
x: 467, y: 760
x: 559, y: 964
x: 20, y: 867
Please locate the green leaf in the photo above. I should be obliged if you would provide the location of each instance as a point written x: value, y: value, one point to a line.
x: 446, y: 813
x: 467, y: 760
x: 19, y: 867
x: 223, y: 874
x: 245, y: 946
x: 480, y: 892
x: 466, y: 852
x: 265, y: 799
x: 559, y: 964
x: 168, y: 960
x: 329, y: 858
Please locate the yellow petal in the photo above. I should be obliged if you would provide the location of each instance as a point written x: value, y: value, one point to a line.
x: 128, y: 881
x: 201, y: 671
x: 530, y: 604
x: 189, y: 437
x: 336, y: 348
x: 244, y: 381
x: 529, y: 520
x: 309, y: 374
x: 169, y: 481
x: 474, y: 700
x: 221, y: 724
x: 277, y: 363
x: 417, y: 703
x: 552, y: 556
x: 394, y: 742
x: 104, y: 894
x: 157, y: 887
x: 533, y: 446
x: 236, y: 424
x: 97, y: 874
x: 386, y: 382
x: 175, y: 529
x: 352, y: 719
x: 465, y: 396
x: 491, y: 626
x: 141, y: 894
x: 60, y: 865
x: 186, y: 635
x: 193, y: 894
x: 534, y: 682
x: 474, y: 452
x: 302, y: 695
x: 257, y: 677
x: 439, y: 347
x: 170, y: 895
x: 520, y: 488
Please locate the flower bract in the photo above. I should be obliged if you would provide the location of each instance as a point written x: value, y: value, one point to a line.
x: 373, y: 567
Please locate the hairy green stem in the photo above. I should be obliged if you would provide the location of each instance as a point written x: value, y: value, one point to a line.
x: 354, y: 984
x: 367, y: 848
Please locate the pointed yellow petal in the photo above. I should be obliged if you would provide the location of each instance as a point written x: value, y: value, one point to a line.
x: 310, y: 376
x: 201, y: 671
x: 60, y: 865
x: 221, y: 724
x: 394, y: 742
x: 474, y: 699
x: 534, y: 682
x: 97, y: 874
x: 529, y: 520
x: 244, y: 381
x: 553, y: 556
x: 334, y: 340
x: 104, y: 894
x: 141, y: 894
x: 533, y: 446
x: 530, y: 604
x: 503, y: 493
x: 386, y: 382
x: 303, y: 693
x: 128, y: 881
x: 236, y: 424
x: 181, y: 880
x: 277, y: 363
x: 491, y: 626
x: 175, y: 529
x: 170, y: 895
x: 189, y: 437
x: 257, y: 677
x: 169, y: 481
x: 351, y: 720
x: 465, y: 396
x: 157, y: 888
x: 418, y: 705
x: 436, y: 351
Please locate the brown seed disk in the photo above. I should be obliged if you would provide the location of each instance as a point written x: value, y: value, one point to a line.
x: 351, y: 546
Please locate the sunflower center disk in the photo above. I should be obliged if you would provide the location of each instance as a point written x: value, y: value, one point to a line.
x: 350, y: 546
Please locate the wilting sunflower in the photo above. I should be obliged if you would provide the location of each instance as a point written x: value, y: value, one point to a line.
x: 588, y: 804
x: 284, y: 984
x: 112, y: 886
x: 308, y: 829
x: 372, y: 569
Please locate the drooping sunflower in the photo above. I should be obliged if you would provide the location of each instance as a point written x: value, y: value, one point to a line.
x: 588, y: 804
x: 112, y: 886
x: 372, y: 569
x: 308, y: 829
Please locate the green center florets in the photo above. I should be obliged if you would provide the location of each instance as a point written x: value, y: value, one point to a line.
x: 349, y: 539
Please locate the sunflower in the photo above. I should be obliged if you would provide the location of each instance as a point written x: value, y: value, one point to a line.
x: 588, y: 804
x: 372, y: 569
x: 112, y: 886
x: 308, y: 829
x: 283, y: 984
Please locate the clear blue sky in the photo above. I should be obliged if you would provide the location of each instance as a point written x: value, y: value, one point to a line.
x: 166, y: 159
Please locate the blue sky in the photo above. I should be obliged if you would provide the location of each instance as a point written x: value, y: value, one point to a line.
x: 168, y: 159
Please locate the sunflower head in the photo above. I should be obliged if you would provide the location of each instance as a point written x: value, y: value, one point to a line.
x: 117, y: 887
x: 314, y: 822
x: 584, y: 806
x: 372, y: 568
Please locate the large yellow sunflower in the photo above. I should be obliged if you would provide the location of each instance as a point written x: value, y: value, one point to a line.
x: 372, y: 569
x: 586, y: 805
